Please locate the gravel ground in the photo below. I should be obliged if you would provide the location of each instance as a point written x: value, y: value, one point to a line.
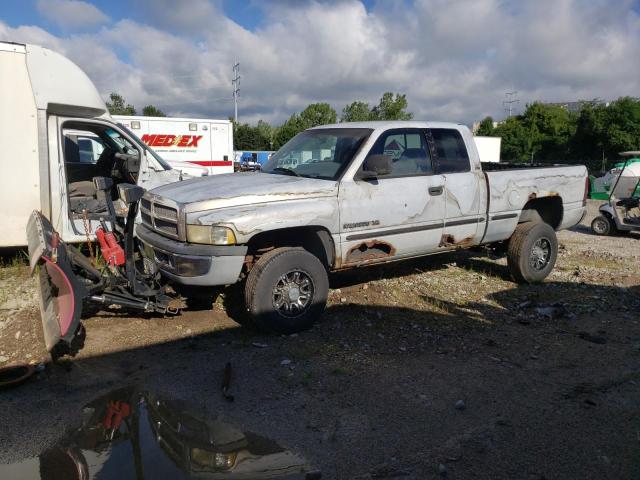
x: 421, y: 369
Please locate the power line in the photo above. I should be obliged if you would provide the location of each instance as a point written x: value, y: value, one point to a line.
x: 511, y: 98
x: 236, y: 89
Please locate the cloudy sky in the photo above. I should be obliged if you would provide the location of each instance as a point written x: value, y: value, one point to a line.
x: 455, y: 59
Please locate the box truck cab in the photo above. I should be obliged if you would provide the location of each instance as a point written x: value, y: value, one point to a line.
x: 56, y: 135
x: 203, y: 142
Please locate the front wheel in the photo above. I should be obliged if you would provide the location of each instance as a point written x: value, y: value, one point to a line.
x: 602, y: 225
x: 286, y: 290
x: 532, y: 252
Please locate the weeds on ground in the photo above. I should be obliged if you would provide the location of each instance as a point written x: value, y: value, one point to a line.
x: 12, y: 268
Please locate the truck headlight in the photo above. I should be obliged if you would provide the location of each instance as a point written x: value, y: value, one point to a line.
x: 210, y: 235
x: 219, y: 461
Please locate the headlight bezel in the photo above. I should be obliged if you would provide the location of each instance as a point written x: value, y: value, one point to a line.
x: 210, y: 235
x: 217, y: 460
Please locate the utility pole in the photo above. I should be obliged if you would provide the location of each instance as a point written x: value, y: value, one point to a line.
x: 511, y: 98
x: 236, y: 90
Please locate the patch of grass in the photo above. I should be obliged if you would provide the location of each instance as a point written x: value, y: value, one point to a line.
x: 12, y: 265
x: 13, y: 268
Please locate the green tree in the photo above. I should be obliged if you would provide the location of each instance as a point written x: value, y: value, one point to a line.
x: 550, y: 128
x: 266, y: 132
x: 391, y: 108
x: 486, y: 128
x: 287, y: 131
x: 513, y: 137
x: 247, y: 137
x: 117, y: 105
x: 317, y: 114
x: 541, y: 134
x: 604, y: 131
x: 312, y: 116
x: 244, y: 137
x: 356, y: 112
x: 152, y: 111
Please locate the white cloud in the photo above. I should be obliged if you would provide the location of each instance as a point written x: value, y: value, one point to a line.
x: 454, y: 60
x: 74, y: 14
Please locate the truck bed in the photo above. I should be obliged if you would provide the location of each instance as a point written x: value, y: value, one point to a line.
x: 556, y: 190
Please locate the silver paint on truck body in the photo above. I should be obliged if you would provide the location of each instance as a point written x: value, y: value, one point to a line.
x: 247, y: 188
x: 384, y: 219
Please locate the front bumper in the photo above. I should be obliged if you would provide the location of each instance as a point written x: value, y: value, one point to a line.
x: 192, y: 264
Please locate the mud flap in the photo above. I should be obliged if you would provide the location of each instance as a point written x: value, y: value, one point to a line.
x: 61, y: 292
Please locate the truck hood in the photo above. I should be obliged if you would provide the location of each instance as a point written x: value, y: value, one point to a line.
x: 237, y: 189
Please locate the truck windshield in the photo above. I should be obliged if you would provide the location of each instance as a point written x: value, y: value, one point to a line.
x: 322, y: 153
x: 163, y: 163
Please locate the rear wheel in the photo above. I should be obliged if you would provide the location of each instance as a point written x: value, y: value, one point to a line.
x: 286, y: 290
x: 532, y: 252
x: 603, y: 225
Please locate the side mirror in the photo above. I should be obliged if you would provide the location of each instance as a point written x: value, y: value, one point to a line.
x: 377, y: 166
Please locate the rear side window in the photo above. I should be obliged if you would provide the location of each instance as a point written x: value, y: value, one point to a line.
x: 449, y: 150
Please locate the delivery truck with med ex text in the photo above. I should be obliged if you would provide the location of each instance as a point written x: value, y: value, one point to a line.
x: 199, y: 141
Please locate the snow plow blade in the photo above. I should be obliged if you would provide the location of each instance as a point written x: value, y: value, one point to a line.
x: 61, y: 293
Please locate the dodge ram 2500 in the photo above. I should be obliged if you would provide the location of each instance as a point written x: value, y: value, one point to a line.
x: 354, y: 194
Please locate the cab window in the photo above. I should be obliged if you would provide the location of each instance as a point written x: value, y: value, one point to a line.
x: 449, y: 150
x: 407, y: 150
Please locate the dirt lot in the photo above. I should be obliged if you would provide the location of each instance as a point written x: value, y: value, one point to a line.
x: 422, y: 369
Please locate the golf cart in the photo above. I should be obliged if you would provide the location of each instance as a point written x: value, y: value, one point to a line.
x: 621, y: 213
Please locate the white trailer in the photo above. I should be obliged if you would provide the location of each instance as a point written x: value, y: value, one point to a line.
x: 51, y: 118
x: 488, y: 148
x: 201, y: 141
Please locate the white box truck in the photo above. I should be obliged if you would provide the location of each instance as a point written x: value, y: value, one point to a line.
x: 200, y: 141
x: 55, y: 137
x: 488, y: 148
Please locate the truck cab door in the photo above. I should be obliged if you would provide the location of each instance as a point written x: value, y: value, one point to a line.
x: 465, y: 188
x: 395, y: 215
x: 65, y: 171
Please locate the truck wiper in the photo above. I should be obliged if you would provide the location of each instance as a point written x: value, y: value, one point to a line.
x: 286, y: 170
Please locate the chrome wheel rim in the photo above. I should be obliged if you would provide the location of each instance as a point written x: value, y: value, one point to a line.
x: 292, y: 293
x: 540, y: 254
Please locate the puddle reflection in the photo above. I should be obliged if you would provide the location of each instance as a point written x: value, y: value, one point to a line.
x: 131, y: 433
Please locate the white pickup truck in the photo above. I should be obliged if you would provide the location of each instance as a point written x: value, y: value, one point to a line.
x: 348, y: 195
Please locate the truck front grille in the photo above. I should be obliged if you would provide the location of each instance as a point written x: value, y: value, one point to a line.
x: 160, y: 217
x: 170, y: 228
x: 161, y: 211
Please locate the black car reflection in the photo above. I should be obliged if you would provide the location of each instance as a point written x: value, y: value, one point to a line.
x: 130, y: 433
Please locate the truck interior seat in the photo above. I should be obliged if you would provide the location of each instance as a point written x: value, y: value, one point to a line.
x: 83, y: 193
x: 103, y: 168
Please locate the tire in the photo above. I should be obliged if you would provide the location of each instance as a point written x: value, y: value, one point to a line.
x: 286, y: 290
x: 532, y: 252
x: 603, y: 225
x: 233, y: 301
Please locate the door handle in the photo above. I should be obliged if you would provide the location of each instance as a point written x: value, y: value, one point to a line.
x: 436, y: 190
